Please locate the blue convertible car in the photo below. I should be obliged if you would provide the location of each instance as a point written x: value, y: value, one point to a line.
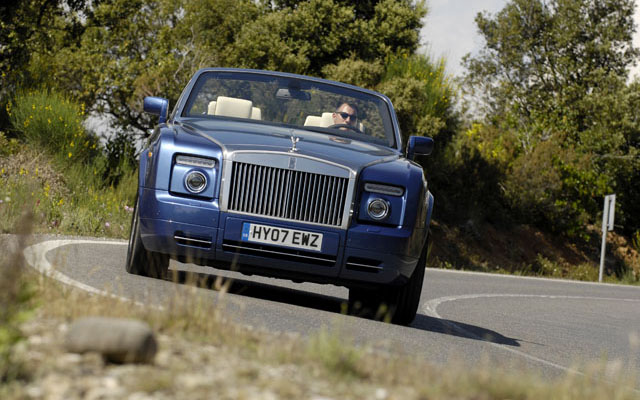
x: 285, y: 176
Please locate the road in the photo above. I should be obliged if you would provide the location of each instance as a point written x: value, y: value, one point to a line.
x: 550, y: 326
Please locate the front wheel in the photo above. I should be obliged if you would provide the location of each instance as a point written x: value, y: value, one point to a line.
x: 397, y: 305
x: 140, y: 261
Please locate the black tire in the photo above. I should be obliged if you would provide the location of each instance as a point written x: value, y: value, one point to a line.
x: 397, y: 305
x: 140, y: 261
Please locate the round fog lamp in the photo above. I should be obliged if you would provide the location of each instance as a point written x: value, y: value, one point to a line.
x: 378, y: 209
x: 195, y: 181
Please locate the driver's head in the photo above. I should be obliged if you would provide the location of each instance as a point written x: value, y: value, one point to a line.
x: 346, y: 113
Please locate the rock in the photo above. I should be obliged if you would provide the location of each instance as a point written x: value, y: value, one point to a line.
x: 118, y: 340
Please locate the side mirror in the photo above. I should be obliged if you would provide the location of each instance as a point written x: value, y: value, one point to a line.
x: 157, y: 106
x: 419, y: 145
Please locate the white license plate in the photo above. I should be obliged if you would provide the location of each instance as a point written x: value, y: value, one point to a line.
x: 281, y: 236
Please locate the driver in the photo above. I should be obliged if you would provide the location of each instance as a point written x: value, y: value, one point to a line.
x: 346, y: 114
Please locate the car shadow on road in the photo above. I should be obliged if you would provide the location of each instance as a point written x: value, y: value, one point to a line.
x: 263, y: 291
x: 334, y: 304
x: 460, y: 329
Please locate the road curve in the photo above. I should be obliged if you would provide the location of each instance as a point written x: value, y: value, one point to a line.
x: 550, y: 326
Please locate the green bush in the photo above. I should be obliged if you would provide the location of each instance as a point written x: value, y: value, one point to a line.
x: 52, y: 123
x: 8, y: 146
x: 422, y: 95
x: 555, y: 187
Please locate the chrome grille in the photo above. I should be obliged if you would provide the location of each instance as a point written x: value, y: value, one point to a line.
x: 287, y: 194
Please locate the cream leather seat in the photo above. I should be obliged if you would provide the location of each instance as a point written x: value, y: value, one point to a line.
x: 256, y: 113
x: 313, y: 120
x: 233, y: 107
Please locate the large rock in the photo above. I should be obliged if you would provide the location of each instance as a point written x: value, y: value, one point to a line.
x: 118, y: 340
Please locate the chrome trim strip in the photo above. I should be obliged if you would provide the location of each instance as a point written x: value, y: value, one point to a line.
x: 281, y: 160
x: 375, y: 267
x: 329, y: 259
x: 186, y: 239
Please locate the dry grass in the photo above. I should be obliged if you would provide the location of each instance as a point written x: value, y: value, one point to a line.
x: 203, y: 352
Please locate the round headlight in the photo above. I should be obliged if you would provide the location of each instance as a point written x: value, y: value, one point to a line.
x: 195, y: 181
x: 378, y: 209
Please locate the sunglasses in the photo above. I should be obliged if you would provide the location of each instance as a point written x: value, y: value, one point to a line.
x: 345, y: 115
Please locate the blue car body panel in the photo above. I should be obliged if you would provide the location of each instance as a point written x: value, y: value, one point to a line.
x: 203, y: 228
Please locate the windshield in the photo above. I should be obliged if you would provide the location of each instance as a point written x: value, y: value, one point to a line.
x: 291, y: 101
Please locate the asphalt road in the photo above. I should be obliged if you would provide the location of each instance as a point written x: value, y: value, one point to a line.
x: 550, y: 326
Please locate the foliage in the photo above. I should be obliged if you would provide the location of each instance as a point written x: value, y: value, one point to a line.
x: 111, y: 68
x: 25, y: 29
x: 7, y: 146
x: 52, y: 122
x: 120, y: 161
x: 552, y: 76
x: 71, y: 198
x: 70, y: 182
x: 470, y: 181
x: 422, y: 95
x: 337, y: 356
x: 16, y: 294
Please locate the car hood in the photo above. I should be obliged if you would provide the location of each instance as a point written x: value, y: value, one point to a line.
x: 234, y: 136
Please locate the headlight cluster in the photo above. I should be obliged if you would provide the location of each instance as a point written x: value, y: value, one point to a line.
x: 193, y: 176
x: 195, y: 181
x: 378, y: 209
x: 379, y: 200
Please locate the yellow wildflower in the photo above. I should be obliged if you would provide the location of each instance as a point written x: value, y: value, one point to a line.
x: 70, y: 154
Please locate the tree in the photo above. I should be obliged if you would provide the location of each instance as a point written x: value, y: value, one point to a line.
x: 556, y: 70
x: 130, y: 49
x: 32, y: 27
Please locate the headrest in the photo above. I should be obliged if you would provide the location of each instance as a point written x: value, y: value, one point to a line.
x: 256, y: 113
x: 232, y: 107
x: 211, y: 110
x: 313, y: 120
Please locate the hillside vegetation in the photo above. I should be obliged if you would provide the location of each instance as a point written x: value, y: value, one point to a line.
x: 541, y: 126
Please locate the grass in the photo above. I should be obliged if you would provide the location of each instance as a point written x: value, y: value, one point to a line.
x: 16, y: 294
x: 67, y: 198
x: 203, y: 352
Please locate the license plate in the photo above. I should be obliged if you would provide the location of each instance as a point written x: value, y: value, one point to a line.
x: 281, y: 236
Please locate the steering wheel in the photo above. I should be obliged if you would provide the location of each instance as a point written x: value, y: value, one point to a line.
x: 338, y: 126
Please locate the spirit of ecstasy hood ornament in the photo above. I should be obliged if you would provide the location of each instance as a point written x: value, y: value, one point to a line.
x: 294, y: 140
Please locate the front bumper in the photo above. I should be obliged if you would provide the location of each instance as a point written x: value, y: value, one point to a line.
x: 196, y: 231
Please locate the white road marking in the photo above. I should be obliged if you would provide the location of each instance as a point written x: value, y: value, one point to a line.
x: 36, y: 256
x: 532, y: 278
x: 430, y: 308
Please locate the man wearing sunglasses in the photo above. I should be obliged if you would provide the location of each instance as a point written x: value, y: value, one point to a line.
x: 346, y: 117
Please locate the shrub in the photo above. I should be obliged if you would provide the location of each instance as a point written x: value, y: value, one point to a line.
x: 8, y: 146
x: 422, y: 95
x: 555, y: 187
x: 53, y: 123
x: 15, y: 302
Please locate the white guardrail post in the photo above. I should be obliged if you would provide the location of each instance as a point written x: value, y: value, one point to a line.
x: 608, y: 214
